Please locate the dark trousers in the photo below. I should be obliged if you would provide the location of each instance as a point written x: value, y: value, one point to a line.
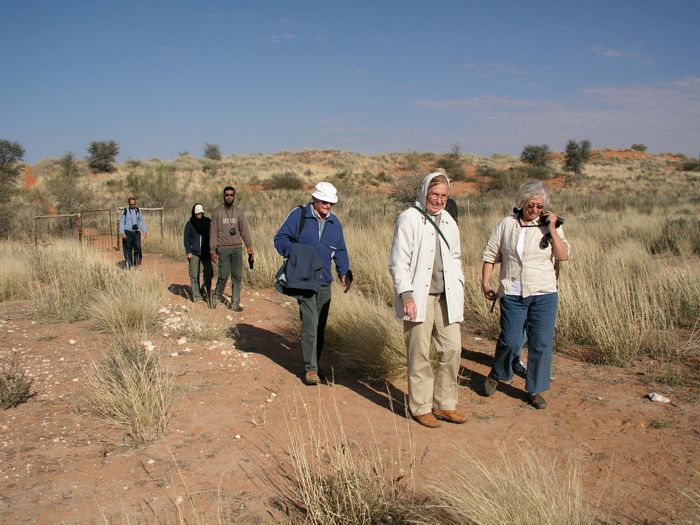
x: 194, y: 270
x: 230, y: 263
x: 132, y: 248
x: 537, y: 315
x: 313, y: 311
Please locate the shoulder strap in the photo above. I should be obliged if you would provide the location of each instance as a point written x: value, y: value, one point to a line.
x: 302, y: 220
x: 434, y: 226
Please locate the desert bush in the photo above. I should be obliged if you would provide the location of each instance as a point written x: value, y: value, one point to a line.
x: 288, y: 180
x: 68, y: 195
x: 15, y: 385
x: 158, y: 187
x: 452, y: 163
x: 531, y: 488
x: 131, y: 388
x: 638, y: 147
x: 576, y: 155
x: 11, y: 154
x: 690, y: 165
x: 504, y: 180
x: 540, y: 156
x: 335, y: 481
x: 102, y: 156
x: 212, y: 152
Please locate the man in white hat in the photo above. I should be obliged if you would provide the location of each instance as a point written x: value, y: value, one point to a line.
x: 320, y: 229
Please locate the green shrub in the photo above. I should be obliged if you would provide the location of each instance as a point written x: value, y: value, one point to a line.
x: 288, y: 180
x: 690, y: 165
x: 11, y: 154
x: 452, y: 164
x: 504, y: 180
x: 102, y: 156
x: 539, y: 156
x: 212, y: 152
x: 576, y: 155
x: 638, y: 147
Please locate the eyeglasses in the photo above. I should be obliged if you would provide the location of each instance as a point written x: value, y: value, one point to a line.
x: 325, y: 203
x: 437, y: 196
x: 532, y: 205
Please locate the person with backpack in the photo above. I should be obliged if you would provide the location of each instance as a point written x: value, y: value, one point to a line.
x: 196, y: 241
x: 131, y: 226
x: 426, y: 270
x: 314, y: 225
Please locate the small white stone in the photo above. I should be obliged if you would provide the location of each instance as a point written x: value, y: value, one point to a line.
x: 182, y: 341
x: 72, y: 341
x: 237, y: 436
x: 150, y: 462
x: 174, y: 354
x: 478, y: 339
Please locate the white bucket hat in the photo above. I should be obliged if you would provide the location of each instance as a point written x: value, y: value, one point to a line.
x: 325, y: 191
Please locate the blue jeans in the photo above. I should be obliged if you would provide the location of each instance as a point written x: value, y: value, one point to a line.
x: 536, y: 314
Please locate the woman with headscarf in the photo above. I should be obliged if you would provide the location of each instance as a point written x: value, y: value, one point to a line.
x: 528, y: 244
x: 426, y: 270
x: 196, y: 240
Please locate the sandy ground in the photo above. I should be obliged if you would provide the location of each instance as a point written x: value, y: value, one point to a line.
x: 227, y: 443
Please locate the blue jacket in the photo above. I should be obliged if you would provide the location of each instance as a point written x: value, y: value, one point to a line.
x: 331, y: 245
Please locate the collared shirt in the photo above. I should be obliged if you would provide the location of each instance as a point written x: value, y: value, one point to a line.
x: 532, y: 266
x: 321, y: 221
x: 129, y: 218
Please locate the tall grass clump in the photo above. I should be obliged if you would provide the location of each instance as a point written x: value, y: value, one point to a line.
x: 128, y: 306
x: 530, y: 488
x: 336, y: 481
x: 365, y: 335
x: 131, y: 388
x: 65, y: 278
x: 15, y: 385
x: 15, y: 274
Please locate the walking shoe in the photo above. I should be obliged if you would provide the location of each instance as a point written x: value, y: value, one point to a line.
x: 427, y: 420
x: 519, y: 368
x: 490, y: 386
x: 311, y: 378
x: 537, y: 401
x: 238, y: 308
x: 451, y: 416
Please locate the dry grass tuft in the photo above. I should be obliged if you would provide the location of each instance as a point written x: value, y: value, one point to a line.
x: 128, y: 306
x: 14, y: 274
x: 335, y: 481
x: 15, y: 386
x: 365, y: 336
x: 132, y: 388
x: 199, y: 326
x: 531, y: 489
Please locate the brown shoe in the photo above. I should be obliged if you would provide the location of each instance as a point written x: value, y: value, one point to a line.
x: 451, y: 416
x: 490, y: 386
x: 537, y: 401
x: 427, y: 420
x: 311, y: 378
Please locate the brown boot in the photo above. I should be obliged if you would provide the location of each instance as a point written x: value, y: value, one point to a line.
x: 451, y: 416
x: 427, y: 420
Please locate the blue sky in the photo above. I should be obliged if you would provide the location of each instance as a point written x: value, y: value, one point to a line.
x: 164, y: 77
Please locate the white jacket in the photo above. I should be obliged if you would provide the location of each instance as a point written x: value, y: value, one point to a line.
x: 412, y: 258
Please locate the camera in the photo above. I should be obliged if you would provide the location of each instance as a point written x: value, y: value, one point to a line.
x: 135, y: 227
x: 251, y: 261
x: 545, y: 220
x: 232, y: 232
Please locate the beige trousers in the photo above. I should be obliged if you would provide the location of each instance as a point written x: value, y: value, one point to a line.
x: 426, y: 390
